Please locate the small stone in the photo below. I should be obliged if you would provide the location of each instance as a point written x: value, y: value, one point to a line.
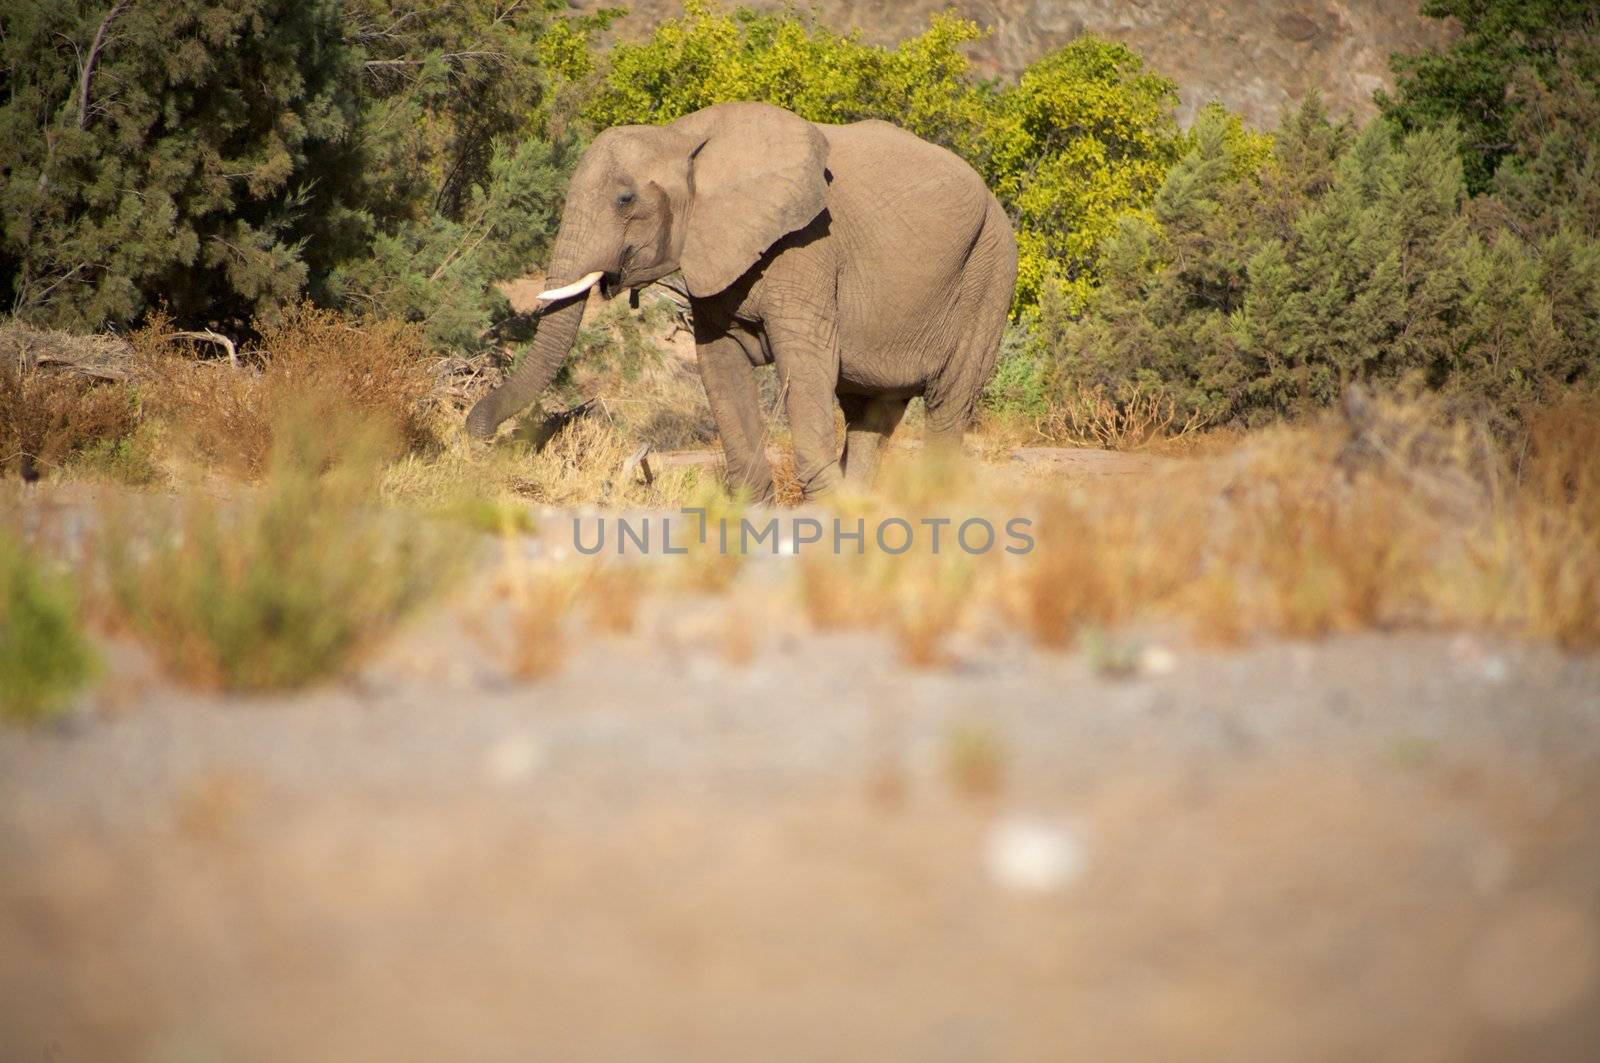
x: 1158, y: 660
x: 1033, y: 856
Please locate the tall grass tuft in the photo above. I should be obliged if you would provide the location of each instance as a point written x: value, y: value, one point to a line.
x: 280, y: 587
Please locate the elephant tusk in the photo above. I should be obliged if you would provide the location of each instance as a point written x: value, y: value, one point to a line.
x: 577, y: 287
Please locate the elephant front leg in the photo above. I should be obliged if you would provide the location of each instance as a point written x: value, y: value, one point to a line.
x: 730, y: 383
x: 808, y: 372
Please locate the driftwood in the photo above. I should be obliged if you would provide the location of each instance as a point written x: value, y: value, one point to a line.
x: 639, y: 462
x: 207, y: 336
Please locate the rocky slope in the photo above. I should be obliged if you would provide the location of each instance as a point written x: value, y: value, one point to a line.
x: 1256, y: 56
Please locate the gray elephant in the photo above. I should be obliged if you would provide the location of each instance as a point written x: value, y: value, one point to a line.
x: 869, y: 265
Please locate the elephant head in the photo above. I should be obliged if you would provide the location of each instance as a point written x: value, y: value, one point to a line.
x: 706, y: 194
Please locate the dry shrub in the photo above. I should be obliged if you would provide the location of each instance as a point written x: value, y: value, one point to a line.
x: 1331, y: 526
x: 311, y: 359
x: 712, y: 538
x: 920, y: 597
x: 928, y: 601
x: 1395, y: 513
x: 611, y: 595
x: 831, y: 590
x: 1139, y: 418
x: 1313, y: 549
x: 539, y: 609
x: 280, y: 587
x: 1536, y: 567
x: 1102, y: 555
x: 738, y: 634
x: 786, y: 488
x: 48, y: 415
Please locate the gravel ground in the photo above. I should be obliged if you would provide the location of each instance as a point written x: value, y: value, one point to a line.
x: 1371, y: 847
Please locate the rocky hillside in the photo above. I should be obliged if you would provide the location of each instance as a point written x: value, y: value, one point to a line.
x: 1256, y: 56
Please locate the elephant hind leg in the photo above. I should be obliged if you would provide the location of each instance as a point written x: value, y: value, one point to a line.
x: 981, y: 310
x: 869, y: 421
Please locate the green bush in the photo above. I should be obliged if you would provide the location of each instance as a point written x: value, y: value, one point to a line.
x: 1018, y: 388
x: 1248, y: 298
x: 711, y: 56
x: 226, y: 159
x: 44, y: 658
x: 1083, y: 140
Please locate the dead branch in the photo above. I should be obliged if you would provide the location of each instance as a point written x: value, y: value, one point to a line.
x: 208, y: 336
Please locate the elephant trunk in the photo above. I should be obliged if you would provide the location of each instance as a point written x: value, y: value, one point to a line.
x: 557, y: 329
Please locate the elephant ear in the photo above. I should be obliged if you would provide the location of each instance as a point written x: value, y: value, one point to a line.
x: 758, y: 173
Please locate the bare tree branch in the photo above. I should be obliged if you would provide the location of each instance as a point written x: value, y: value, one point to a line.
x: 87, y: 74
x: 380, y: 64
x: 211, y: 337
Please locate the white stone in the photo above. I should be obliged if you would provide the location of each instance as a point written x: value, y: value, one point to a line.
x: 1032, y: 855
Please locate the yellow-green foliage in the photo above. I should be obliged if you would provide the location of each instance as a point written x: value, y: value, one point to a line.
x: 1085, y: 137
x: 43, y: 656
x: 711, y: 56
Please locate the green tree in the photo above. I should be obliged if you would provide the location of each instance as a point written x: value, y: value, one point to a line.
x: 184, y: 152
x: 711, y: 56
x: 1550, y: 179
x: 1468, y: 82
x: 461, y: 184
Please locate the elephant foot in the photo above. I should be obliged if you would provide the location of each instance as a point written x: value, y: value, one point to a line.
x: 823, y: 482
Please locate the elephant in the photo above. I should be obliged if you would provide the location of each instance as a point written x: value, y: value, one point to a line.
x: 867, y: 264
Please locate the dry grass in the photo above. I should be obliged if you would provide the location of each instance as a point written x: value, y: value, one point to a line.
x: 712, y: 536
x: 279, y: 587
x: 1393, y: 515
x: 1535, y: 566
x: 47, y: 415
x: 1396, y: 515
x: 921, y: 596
x: 583, y: 464
x: 540, y: 605
x: 224, y: 418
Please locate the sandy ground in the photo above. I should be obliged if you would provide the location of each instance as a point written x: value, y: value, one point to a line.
x: 1374, y: 847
